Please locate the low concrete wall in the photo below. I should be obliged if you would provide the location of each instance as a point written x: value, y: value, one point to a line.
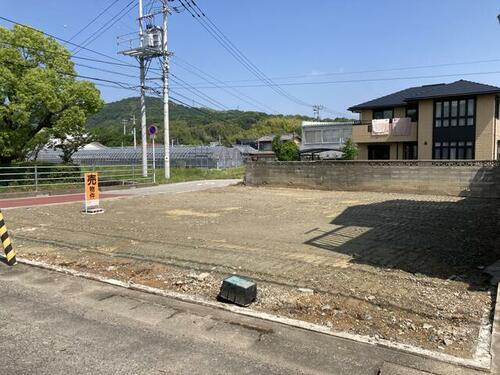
x: 456, y: 178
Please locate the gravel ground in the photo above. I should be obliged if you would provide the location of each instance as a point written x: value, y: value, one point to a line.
x: 399, y: 267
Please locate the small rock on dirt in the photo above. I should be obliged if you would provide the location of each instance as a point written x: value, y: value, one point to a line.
x: 199, y: 277
x: 306, y: 291
x: 448, y: 342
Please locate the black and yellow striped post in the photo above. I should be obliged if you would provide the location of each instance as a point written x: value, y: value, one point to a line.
x: 6, y: 243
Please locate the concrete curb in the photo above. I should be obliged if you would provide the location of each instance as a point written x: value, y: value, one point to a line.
x: 480, y: 362
x: 495, y: 337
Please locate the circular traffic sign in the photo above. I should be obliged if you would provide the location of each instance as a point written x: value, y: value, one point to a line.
x: 152, y: 130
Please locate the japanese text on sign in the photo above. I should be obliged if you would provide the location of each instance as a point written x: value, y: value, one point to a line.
x: 91, y: 189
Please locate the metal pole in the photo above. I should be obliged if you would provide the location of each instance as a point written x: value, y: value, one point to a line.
x: 124, y: 122
x: 36, y: 178
x: 143, y: 98
x: 135, y: 133
x: 154, y: 161
x: 165, y: 67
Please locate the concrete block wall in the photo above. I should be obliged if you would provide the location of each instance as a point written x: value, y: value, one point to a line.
x: 465, y: 178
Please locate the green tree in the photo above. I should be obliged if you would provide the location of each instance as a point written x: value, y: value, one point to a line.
x: 285, y: 151
x: 276, y: 144
x: 350, y: 150
x: 40, y: 97
x: 289, y: 152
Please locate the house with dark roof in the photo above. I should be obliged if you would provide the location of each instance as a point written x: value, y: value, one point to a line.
x: 265, y: 143
x: 458, y: 120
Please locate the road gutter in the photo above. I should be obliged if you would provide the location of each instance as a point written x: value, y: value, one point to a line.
x: 482, y: 359
x: 495, y: 337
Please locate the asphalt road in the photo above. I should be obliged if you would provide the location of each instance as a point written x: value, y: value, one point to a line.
x: 48, y: 200
x: 56, y: 324
x: 181, y: 187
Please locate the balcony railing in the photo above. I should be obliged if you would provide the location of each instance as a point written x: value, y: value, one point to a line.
x: 392, y: 132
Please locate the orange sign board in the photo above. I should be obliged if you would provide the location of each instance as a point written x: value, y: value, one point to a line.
x: 91, y: 190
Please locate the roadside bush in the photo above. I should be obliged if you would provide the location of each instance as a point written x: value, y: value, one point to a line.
x: 350, y: 150
x: 289, y: 151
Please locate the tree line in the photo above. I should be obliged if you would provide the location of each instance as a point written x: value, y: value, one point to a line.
x: 188, y: 125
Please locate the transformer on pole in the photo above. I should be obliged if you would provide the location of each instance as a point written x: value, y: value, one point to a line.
x: 153, y: 44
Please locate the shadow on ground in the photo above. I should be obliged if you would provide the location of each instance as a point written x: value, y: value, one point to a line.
x: 438, y: 239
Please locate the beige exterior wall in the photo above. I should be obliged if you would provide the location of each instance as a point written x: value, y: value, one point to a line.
x: 366, y: 115
x: 497, y: 148
x: 485, y: 127
x: 394, y: 149
x: 425, y: 124
x: 363, y: 152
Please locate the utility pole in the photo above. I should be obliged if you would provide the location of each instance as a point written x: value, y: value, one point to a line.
x: 124, y: 123
x: 134, y: 131
x: 153, y: 44
x: 165, y: 70
x: 142, y: 68
x: 317, y: 111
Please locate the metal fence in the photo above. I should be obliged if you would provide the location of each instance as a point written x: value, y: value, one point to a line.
x: 50, y: 177
x: 213, y: 157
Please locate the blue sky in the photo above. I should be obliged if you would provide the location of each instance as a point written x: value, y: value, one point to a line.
x: 298, y: 38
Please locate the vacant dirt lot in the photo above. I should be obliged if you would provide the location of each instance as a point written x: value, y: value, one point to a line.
x: 400, y: 267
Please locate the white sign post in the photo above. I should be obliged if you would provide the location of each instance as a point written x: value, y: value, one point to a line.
x: 152, y: 132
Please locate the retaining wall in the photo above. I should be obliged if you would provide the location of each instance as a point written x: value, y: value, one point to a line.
x: 479, y: 179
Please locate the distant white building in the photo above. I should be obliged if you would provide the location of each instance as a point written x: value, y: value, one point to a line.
x: 94, y: 146
x: 325, y: 139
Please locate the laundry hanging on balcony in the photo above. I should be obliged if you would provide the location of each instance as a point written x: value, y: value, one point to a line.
x: 401, y: 126
x: 381, y: 127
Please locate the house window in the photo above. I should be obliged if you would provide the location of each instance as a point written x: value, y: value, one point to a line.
x: 452, y: 113
x: 412, y: 112
x: 329, y: 136
x: 497, y: 107
x: 454, y: 150
x: 313, y: 136
x: 381, y: 114
x: 346, y: 134
x: 410, y: 151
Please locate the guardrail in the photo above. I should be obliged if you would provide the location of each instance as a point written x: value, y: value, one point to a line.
x: 50, y: 177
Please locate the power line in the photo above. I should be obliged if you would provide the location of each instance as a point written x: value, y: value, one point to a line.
x: 197, y: 92
x: 122, y: 84
x: 106, y: 70
x: 62, y: 40
x: 93, y: 20
x: 237, y: 94
x: 372, y: 71
x: 94, y: 36
x: 59, y: 53
x: 229, y: 46
x: 359, y: 80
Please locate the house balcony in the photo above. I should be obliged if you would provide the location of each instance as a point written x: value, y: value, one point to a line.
x: 362, y: 133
